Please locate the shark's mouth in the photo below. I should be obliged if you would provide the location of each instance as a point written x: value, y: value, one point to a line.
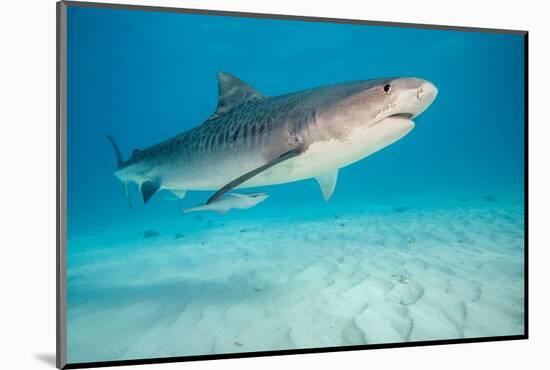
x: 402, y: 115
x: 395, y: 117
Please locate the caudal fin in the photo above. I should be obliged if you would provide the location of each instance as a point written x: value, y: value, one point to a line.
x: 119, y: 160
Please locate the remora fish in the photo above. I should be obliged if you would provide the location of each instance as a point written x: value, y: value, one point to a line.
x: 254, y: 140
x: 229, y: 201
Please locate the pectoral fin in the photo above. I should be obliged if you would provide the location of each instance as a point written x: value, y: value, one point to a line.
x: 327, y: 182
x: 239, y: 180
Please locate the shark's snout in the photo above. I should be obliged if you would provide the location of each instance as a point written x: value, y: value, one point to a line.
x: 426, y: 92
x: 417, y: 96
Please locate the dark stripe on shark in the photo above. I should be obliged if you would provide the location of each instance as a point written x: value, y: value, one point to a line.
x: 250, y: 127
x: 245, y: 133
x: 236, y: 134
x: 253, y: 131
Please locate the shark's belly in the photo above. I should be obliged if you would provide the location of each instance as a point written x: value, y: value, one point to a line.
x: 333, y: 154
x: 319, y: 158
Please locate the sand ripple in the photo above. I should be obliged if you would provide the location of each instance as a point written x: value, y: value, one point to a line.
x: 366, y: 277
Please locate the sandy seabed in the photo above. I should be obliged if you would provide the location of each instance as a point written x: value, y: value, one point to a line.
x: 383, y: 276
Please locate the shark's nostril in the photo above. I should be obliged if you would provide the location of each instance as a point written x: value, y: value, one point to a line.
x: 427, y: 91
x: 419, y: 93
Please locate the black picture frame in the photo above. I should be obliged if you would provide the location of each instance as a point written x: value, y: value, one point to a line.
x: 61, y: 191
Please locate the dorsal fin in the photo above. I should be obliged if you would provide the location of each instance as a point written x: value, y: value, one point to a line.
x: 233, y: 92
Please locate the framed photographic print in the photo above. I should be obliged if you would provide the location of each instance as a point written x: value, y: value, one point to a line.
x: 235, y: 184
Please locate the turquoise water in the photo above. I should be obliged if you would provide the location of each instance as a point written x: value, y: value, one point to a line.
x: 434, y: 220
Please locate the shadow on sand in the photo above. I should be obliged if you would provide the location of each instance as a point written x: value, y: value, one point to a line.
x: 46, y: 358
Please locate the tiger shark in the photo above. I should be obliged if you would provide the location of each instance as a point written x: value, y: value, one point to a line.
x: 254, y: 140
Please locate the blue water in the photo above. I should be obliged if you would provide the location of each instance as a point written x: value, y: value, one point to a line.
x: 144, y: 76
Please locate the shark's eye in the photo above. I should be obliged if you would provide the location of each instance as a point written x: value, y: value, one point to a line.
x: 387, y: 88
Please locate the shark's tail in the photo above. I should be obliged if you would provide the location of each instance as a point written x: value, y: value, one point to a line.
x: 119, y: 160
x: 120, y: 163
